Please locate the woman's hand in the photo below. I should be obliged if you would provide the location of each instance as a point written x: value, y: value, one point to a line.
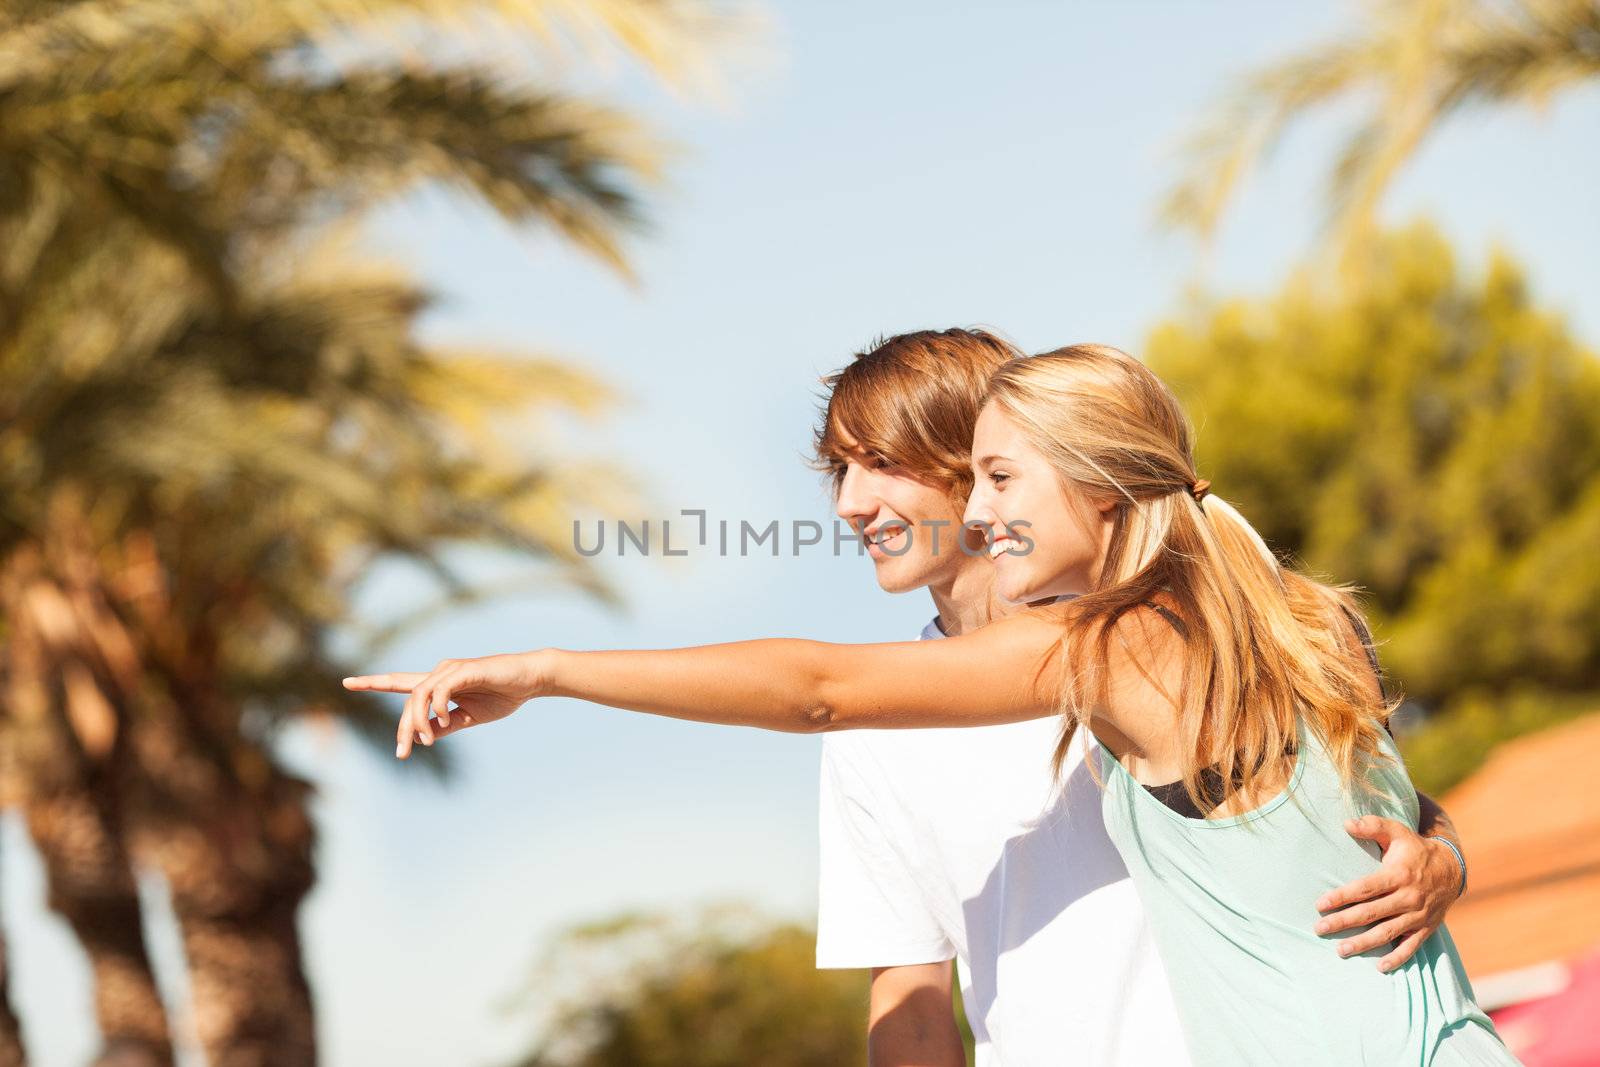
x: 1405, y: 899
x: 484, y: 690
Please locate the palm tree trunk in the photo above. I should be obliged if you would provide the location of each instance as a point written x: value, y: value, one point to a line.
x: 237, y: 874
x: 228, y: 829
x: 11, y: 1050
x: 11, y: 1053
x: 252, y: 1002
x: 92, y: 888
x: 66, y: 785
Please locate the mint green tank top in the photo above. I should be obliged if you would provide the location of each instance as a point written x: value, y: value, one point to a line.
x: 1231, y: 903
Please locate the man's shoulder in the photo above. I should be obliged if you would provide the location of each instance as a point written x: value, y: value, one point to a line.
x: 1003, y: 748
x: 935, y: 755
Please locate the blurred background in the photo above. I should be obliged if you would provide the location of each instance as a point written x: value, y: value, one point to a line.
x: 321, y: 321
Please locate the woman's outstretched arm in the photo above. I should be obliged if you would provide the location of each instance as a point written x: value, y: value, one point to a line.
x: 1001, y: 673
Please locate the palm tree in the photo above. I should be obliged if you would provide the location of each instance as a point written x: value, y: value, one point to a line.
x: 205, y: 442
x: 178, y: 625
x: 1420, y: 61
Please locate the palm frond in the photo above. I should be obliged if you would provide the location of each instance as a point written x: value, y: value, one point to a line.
x: 365, y: 137
x: 677, y: 39
x: 1250, y: 125
x: 1420, y: 61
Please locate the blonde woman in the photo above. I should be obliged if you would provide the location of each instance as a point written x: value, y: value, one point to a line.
x: 1239, y: 720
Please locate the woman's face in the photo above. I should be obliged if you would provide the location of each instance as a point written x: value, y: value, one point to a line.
x: 1021, y: 498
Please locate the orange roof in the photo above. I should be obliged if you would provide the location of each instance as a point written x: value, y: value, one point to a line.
x: 1530, y: 825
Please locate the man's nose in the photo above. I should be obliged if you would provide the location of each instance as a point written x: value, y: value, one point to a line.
x: 854, y: 504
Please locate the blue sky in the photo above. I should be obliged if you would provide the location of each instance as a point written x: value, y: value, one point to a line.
x: 899, y: 165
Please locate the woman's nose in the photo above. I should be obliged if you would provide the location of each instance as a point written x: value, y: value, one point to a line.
x: 978, y: 511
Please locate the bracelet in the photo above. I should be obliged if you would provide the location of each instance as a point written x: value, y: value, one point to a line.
x: 1462, y: 860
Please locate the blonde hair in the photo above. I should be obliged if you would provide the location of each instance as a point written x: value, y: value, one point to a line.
x: 1263, y: 645
x: 913, y: 399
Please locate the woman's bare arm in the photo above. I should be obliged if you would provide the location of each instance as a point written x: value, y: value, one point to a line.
x: 811, y: 686
x: 995, y: 675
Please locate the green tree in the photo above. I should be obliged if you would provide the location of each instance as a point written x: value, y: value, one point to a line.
x: 726, y: 990
x: 211, y: 425
x: 1414, y: 64
x: 1435, y: 438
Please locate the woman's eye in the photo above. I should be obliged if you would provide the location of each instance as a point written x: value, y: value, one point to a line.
x: 998, y: 477
x: 879, y: 463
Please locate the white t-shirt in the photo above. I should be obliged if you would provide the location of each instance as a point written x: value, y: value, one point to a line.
x: 958, y: 843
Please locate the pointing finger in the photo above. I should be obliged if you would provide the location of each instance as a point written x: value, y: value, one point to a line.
x: 400, y: 682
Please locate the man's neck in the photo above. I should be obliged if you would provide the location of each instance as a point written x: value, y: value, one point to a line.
x: 967, y: 602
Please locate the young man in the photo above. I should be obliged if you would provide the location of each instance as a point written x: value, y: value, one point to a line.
x: 956, y: 850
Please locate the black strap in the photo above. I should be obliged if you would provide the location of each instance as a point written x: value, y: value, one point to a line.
x: 1366, y: 640
x: 1177, y: 623
x: 1372, y: 655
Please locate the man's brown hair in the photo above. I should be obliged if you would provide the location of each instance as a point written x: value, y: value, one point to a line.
x: 912, y: 399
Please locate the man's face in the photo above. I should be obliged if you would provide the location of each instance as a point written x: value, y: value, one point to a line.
x: 911, y: 525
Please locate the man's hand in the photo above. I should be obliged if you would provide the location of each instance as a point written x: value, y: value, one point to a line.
x: 484, y: 689
x: 1406, y: 898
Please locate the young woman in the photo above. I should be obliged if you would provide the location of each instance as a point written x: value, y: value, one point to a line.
x: 1239, y: 720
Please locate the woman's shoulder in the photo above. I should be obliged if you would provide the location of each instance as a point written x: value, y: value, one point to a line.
x: 1046, y: 618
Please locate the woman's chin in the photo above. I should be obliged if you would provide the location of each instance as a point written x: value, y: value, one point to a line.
x: 1014, y: 588
x: 1019, y: 585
